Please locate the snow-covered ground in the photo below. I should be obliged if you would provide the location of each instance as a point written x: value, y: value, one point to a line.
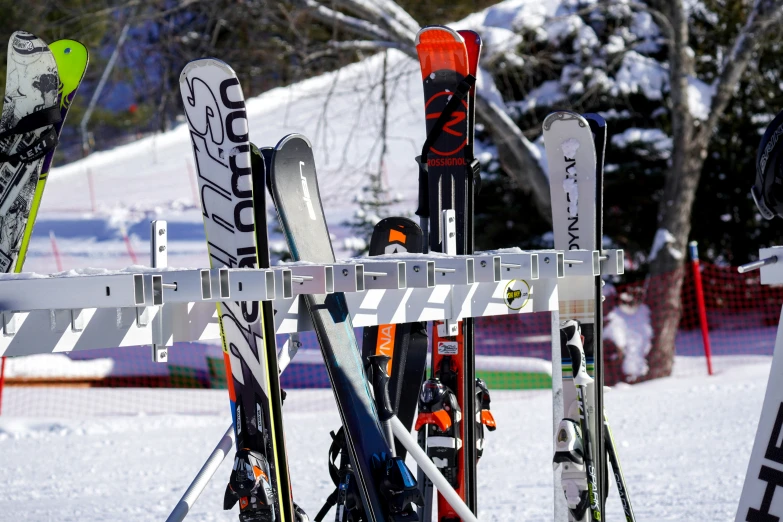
x: 684, y: 443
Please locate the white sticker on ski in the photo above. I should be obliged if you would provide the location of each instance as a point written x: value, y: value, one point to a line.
x: 448, y: 348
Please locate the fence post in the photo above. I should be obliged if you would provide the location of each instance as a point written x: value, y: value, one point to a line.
x: 705, y: 334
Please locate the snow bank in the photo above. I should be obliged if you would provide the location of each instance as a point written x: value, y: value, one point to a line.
x: 629, y: 328
x: 56, y: 366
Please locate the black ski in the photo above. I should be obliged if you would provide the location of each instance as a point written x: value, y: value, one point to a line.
x: 406, y: 343
x: 295, y: 191
x: 598, y: 127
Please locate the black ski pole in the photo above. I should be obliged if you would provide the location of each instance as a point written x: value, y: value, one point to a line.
x: 380, y: 385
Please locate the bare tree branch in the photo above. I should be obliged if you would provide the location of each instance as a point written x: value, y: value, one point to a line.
x: 370, y: 11
x: 766, y: 15
x: 355, y: 25
x: 372, y: 46
x: 515, y: 155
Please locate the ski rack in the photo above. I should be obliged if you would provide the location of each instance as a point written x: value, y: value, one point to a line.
x: 95, y: 308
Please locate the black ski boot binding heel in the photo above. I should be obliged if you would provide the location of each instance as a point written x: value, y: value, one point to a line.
x: 485, y: 417
x: 251, y: 486
x: 439, y: 413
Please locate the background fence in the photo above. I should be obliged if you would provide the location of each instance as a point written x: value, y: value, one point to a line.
x: 513, y: 352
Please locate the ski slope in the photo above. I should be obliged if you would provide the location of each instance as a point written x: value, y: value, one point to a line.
x: 684, y: 443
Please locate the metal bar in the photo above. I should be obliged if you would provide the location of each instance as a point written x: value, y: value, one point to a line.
x: 756, y: 265
x: 203, y: 477
x: 432, y: 472
x: 99, y: 291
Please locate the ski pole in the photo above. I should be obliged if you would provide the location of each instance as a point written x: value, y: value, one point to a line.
x: 619, y: 478
x: 204, y: 475
x: 380, y: 384
x: 581, y: 381
x: 432, y: 472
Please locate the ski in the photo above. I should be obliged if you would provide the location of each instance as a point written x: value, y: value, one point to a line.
x: 451, y: 400
x: 405, y: 344
x: 217, y: 120
x: 27, y: 134
x: 598, y: 128
x: 571, y: 156
x: 381, y: 482
x: 72, y: 59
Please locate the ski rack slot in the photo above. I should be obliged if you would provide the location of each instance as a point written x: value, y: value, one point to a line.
x: 487, y: 269
x: 522, y: 265
x: 771, y: 269
x: 349, y: 277
x: 613, y: 262
x: 551, y: 264
x: 457, y: 270
x: 312, y: 279
x: 384, y: 275
x: 221, y: 284
x: 251, y: 285
x: 284, y: 285
x: 420, y: 273
x: 153, y: 289
x: 582, y: 263
x: 83, y: 291
x: 190, y: 285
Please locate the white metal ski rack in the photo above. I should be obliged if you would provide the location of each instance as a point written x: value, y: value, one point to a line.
x: 161, y: 305
x: 763, y: 475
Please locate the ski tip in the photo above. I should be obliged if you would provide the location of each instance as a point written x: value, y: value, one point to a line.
x: 72, y: 58
x: 292, y: 138
x: 440, y: 47
x: 559, y: 116
x: 200, y: 63
x: 597, y: 118
x: 470, y: 36
x: 439, y: 34
x: 24, y: 43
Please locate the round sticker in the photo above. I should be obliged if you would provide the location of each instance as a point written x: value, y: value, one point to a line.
x: 516, y: 294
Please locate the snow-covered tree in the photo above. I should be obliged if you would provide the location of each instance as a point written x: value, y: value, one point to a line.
x: 663, y: 72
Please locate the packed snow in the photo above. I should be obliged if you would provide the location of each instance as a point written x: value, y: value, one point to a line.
x: 684, y: 444
x: 629, y: 328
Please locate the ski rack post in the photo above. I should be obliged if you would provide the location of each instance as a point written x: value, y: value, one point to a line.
x: 158, y: 306
x: 763, y: 476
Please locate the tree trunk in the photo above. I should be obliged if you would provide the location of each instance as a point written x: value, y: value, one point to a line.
x: 516, y: 154
x: 674, y: 210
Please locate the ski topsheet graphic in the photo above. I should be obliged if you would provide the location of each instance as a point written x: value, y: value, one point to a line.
x: 27, y: 134
x: 72, y: 58
x: 572, y: 176
x: 215, y: 110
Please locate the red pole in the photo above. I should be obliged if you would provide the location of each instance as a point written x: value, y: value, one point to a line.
x: 91, y: 187
x: 2, y: 381
x: 128, y: 245
x: 705, y: 334
x: 56, y: 251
